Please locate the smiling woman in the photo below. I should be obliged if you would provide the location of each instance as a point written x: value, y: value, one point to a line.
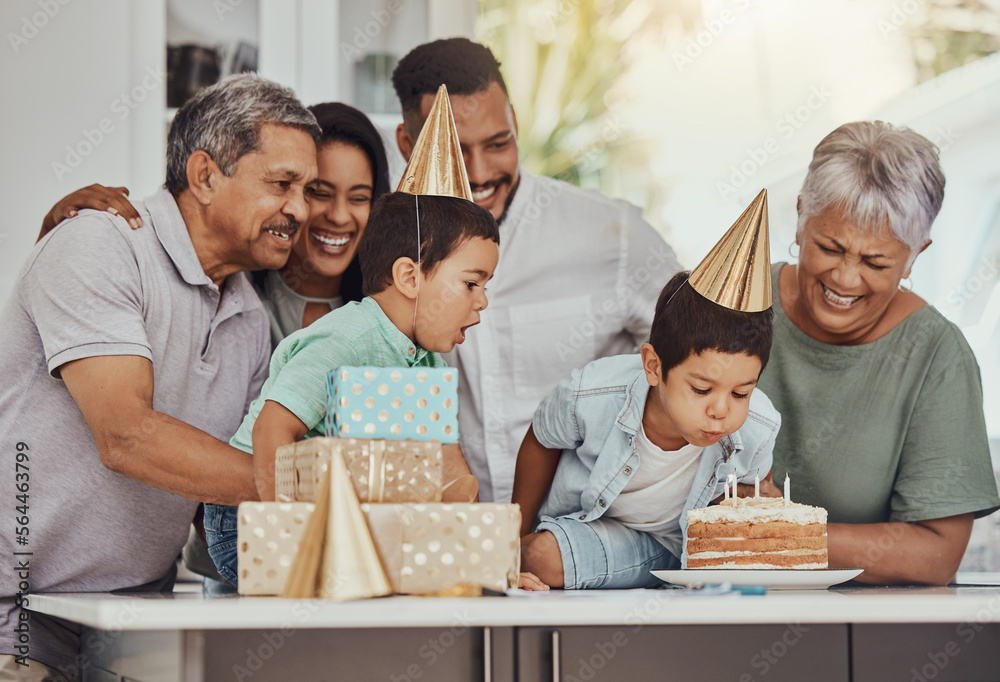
x: 322, y: 272
x: 880, y: 396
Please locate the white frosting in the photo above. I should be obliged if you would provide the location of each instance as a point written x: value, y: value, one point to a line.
x: 765, y: 567
x: 758, y: 510
x: 781, y: 552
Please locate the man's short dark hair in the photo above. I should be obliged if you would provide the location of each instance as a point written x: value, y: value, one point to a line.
x: 445, y: 224
x: 464, y: 67
x: 687, y: 324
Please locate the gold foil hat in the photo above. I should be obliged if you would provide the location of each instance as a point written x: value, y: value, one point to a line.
x: 337, y: 558
x: 436, y: 165
x: 351, y: 566
x: 736, y: 273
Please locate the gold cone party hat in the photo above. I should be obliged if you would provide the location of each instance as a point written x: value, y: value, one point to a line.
x: 436, y: 165
x: 351, y: 568
x: 736, y: 273
x: 303, y: 577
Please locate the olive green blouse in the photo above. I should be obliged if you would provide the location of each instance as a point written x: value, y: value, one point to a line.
x: 891, y: 430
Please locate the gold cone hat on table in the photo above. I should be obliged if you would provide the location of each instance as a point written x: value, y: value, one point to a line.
x: 351, y: 567
x: 337, y: 558
x: 736, y: 273
x: 436, y: 165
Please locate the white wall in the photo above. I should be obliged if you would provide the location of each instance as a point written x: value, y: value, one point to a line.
x: 64, y: 68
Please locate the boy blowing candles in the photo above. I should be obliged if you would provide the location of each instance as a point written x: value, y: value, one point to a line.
x: 425, y: 261
x: 618, y: 453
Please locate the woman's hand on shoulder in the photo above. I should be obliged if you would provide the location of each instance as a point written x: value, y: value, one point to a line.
x: 114, y: 200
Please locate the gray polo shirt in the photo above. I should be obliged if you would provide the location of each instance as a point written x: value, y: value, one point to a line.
x: 94, y: 287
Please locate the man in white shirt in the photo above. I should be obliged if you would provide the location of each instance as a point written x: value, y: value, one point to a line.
x: 579, y: 272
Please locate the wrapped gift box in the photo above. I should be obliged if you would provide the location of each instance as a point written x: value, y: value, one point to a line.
x: 380, y: 470
x: 428, y: 548
x: 395, y: 403
x: 268, y: 537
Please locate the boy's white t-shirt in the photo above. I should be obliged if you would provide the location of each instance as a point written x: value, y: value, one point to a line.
x: 653, y: 499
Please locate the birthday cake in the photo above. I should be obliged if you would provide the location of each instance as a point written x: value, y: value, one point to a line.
x: 757, y: 533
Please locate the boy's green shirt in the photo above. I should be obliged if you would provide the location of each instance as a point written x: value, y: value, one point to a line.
x: 358, y: 333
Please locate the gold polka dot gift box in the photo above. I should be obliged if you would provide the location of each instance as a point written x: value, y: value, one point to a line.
x: 430, y: 548
x: 337, y: 548
x: 424, y: 548
x: 395, y: 403
x: 380, y: 470
x: 267, y: 539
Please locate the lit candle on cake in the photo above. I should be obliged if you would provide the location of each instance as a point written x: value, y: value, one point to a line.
x: 728, y: 476
x: 788, y: 490
x: 756, y: 484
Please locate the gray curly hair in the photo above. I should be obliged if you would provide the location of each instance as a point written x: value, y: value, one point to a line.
x: 225, y: 119
x: 883, y: 176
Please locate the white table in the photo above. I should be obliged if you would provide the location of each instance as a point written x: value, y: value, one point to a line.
x: 857, y: 634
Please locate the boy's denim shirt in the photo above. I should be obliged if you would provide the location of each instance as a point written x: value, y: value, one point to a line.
x: 594, y: 416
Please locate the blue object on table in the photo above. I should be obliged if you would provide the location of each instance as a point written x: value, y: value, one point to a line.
x: 394, y: 403
x: 749, y: 589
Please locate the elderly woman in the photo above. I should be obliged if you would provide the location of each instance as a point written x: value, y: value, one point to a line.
x: 880, y: 396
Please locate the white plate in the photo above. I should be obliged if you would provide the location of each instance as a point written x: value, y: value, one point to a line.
x: 779, y: 579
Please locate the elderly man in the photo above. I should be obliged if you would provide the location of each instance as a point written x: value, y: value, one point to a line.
x: 129, y: 354
x: 579, y: 273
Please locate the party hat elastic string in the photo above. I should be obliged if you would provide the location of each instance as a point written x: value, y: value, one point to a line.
x: 416, y: 300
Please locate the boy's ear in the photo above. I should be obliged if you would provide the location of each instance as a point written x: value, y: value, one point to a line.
x: 651, y: 365
x: 405, y: 275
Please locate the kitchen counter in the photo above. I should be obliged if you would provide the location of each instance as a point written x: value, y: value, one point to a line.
x: 847, y: 633
x: 189, y: 610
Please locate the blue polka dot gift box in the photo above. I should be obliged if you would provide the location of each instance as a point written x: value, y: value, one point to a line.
x: 394, y: 403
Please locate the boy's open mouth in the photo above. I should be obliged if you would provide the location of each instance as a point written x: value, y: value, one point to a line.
x: 461, y: 332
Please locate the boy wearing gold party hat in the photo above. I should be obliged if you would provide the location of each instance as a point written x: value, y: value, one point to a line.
x: 618, y: 453
x: 426, y: 256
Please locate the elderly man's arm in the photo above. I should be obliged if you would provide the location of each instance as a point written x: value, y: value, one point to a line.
x: 926, y: 552
x: 115, y: 395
